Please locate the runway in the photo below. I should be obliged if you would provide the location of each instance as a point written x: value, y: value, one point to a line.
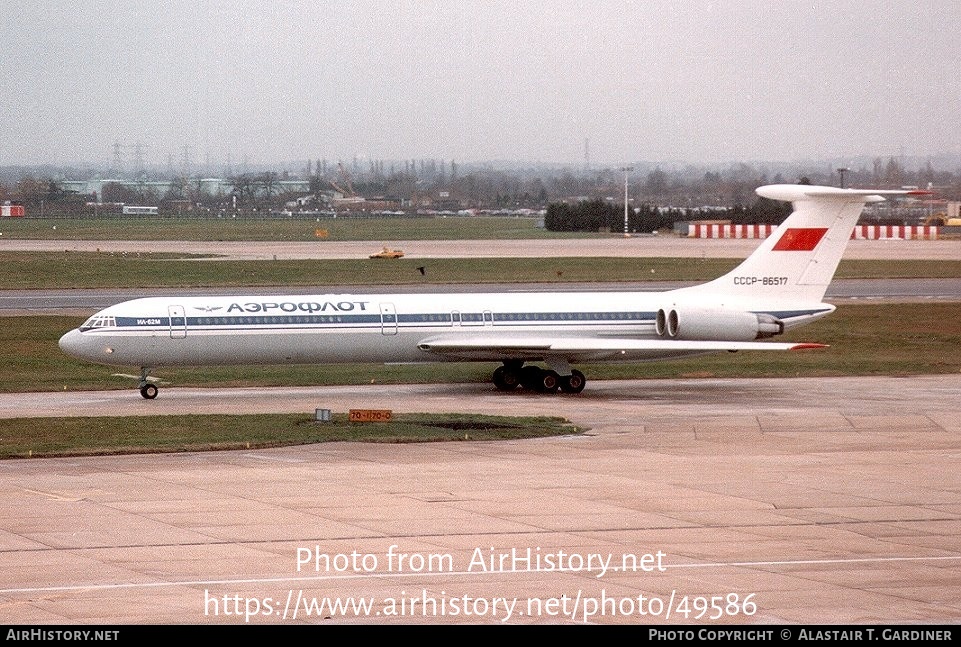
x: 827, y: 500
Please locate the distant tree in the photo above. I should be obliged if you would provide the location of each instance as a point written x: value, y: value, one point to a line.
x: 558, y: 217
x: 317, y: 184
x: 594, y: 215
x: 178, y: 189
x: 768, y: 212
x: 656, y: 182
x: 877, y: 174
x: 30, y: 190
x: 117, y: 192
x: 198, y: 193
x: 893, y: 173
x: 648, y: 218
x: 267, y: 184
x: 242, y: 186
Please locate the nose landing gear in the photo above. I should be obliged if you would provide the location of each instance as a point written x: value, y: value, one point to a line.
x: 148, y: 389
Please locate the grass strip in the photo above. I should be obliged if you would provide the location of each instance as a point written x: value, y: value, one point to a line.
x: 230, y: 228
x: 48, y: 270
x: 47, y: 437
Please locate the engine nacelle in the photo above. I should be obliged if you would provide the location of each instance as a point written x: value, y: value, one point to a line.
x: 702, y: 324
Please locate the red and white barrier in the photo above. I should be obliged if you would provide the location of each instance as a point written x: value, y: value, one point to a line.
x: 895, y: 232
x: 703, y: 230
x: 11, y: 211
x: 861, y: 232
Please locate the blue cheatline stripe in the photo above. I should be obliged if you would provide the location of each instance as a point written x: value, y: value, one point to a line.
x: 427, y: 318
x: 442, y: 318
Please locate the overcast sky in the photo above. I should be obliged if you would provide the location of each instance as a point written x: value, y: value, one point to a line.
x: 278, y: 80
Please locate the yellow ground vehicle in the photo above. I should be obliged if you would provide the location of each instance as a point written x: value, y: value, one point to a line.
x: 940, y: 219
x: 950, y: 219
x: 388, y: 252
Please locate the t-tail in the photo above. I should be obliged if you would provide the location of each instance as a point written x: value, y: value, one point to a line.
x: 782, y: 284
x: 797, y: 262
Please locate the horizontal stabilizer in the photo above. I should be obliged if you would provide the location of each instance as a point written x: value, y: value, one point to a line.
x: 801, y: 192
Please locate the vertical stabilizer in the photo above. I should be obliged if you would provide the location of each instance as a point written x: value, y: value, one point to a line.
x: 798, y: 260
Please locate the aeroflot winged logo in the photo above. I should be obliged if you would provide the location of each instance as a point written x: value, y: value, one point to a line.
x: 301, y: 306
x: 800, y: 240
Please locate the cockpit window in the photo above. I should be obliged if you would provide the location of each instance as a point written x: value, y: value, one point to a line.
x: 98, y: 321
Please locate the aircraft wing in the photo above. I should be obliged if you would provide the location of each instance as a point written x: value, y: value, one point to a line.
x: 586, y: 348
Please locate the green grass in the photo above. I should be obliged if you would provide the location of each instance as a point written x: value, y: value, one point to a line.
x: 898, y: 269
x: 276, y: 229
x: 45, y: 270
x: 36, y: 437
x: 48, y: 270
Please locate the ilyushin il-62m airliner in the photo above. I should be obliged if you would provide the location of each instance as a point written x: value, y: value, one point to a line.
x: 778, y: 287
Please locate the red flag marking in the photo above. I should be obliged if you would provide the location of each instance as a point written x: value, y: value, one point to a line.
x: 800, y: 240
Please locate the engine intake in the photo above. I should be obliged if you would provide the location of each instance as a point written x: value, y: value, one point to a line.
x: 705, y: 324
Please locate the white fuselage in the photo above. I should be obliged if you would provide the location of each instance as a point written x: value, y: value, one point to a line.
x: 383, y: 328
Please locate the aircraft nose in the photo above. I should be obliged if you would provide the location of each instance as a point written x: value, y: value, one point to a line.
x: 72, y: 343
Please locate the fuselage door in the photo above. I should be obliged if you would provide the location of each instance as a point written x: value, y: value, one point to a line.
x: 178, y: 322
x: 388, y: 319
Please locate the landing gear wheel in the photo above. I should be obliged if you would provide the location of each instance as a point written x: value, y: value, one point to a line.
x: 506, y: 378
x: 531, y: 377
x: 550, y: 381
x: 149, y: 391
x: 573, y: 383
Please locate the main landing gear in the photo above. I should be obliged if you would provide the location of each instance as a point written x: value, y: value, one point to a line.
x: 513, y: 374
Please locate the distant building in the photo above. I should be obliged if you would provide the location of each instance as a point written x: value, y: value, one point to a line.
x: 215, y: 187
